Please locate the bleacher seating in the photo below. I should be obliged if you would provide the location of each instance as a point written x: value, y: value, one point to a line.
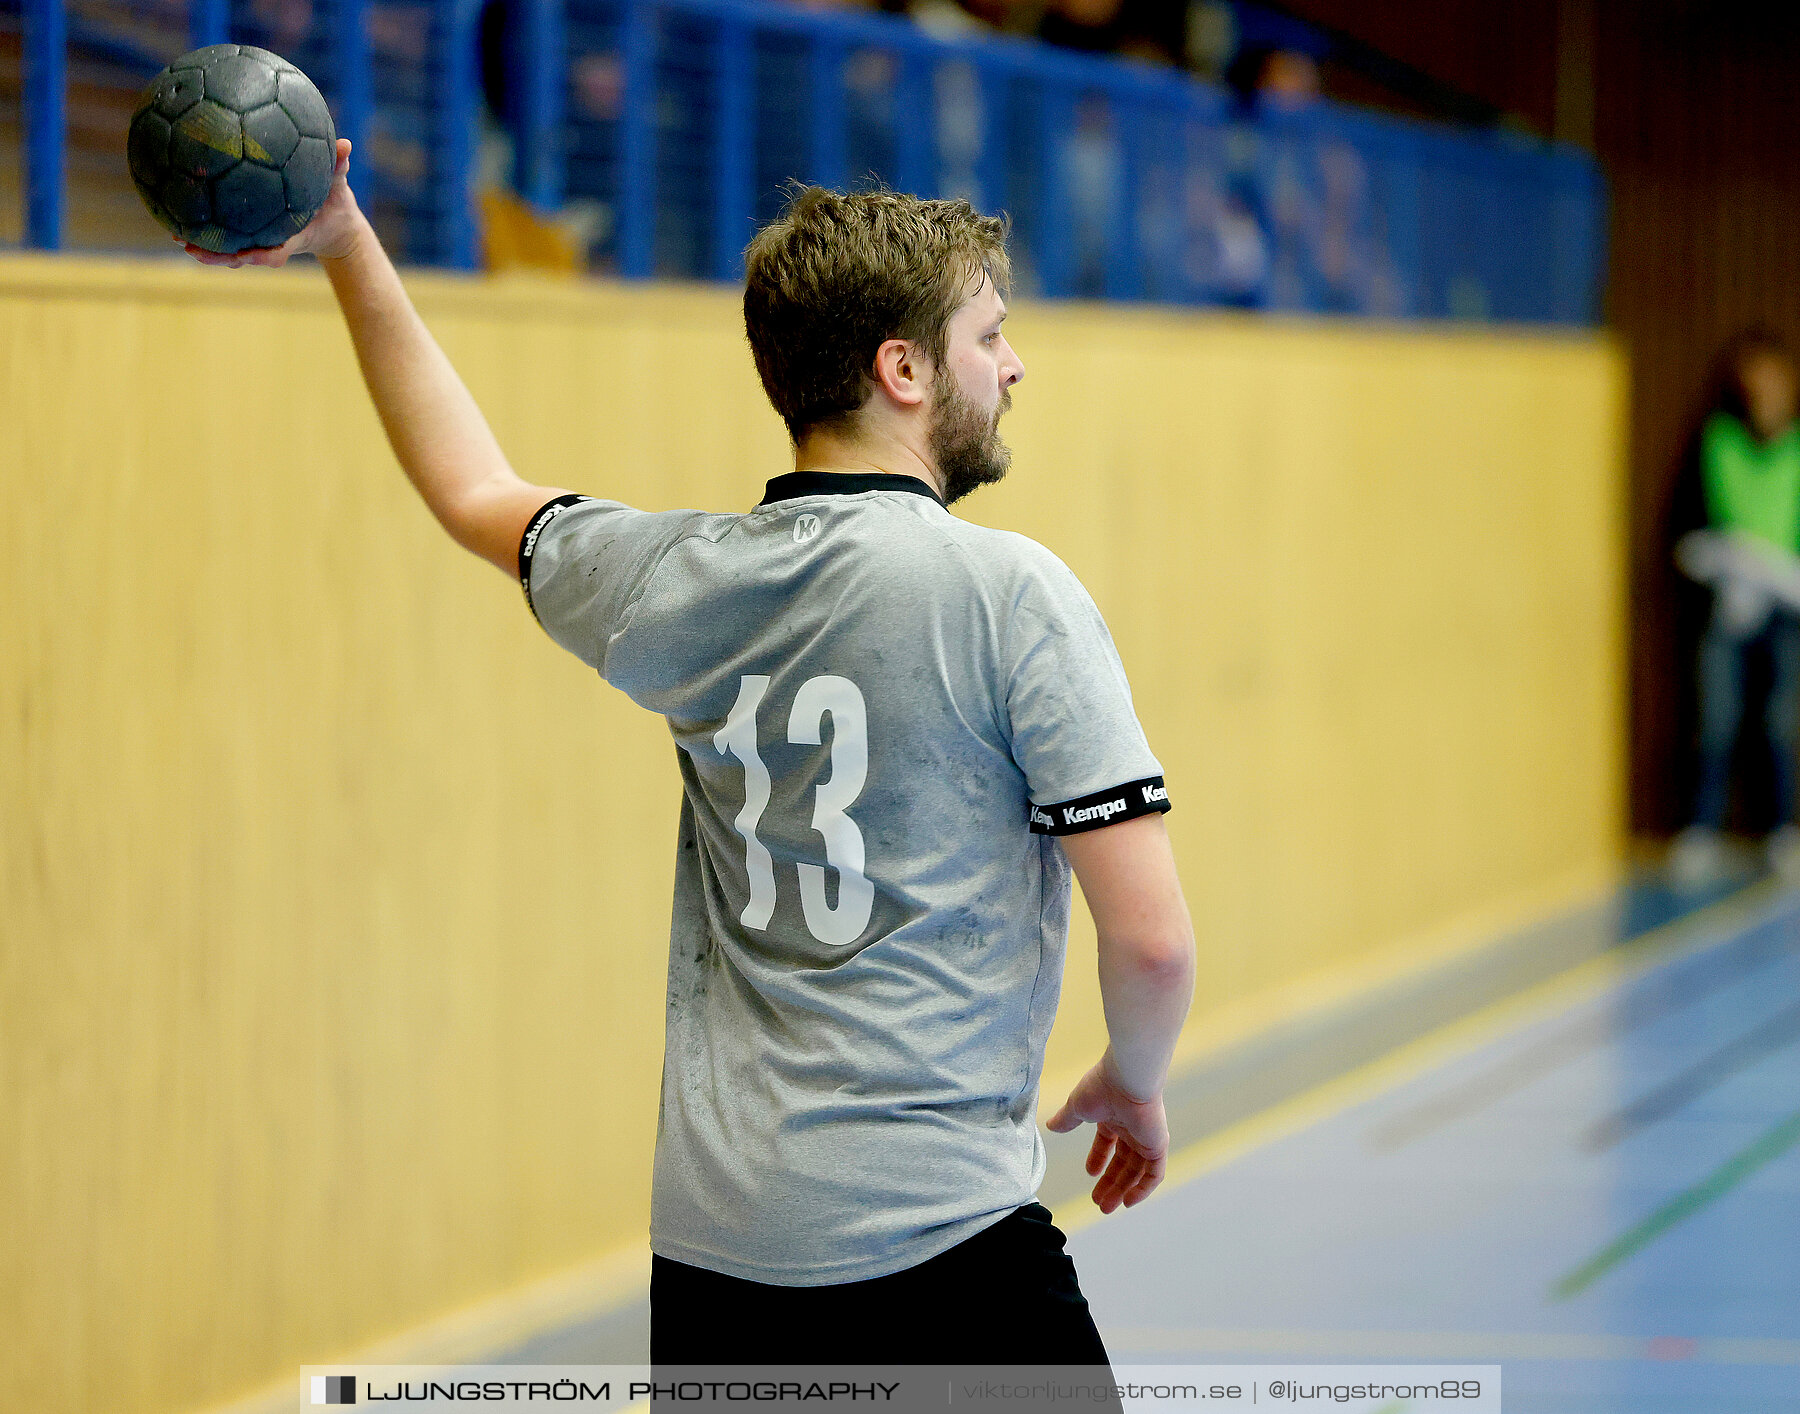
x: 662, y: 131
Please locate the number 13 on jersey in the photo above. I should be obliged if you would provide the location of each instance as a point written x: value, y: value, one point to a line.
x: 844, y: 924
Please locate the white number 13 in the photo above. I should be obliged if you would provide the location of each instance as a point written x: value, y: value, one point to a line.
x: 840, y: 697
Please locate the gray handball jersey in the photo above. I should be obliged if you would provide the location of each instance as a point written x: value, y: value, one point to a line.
x: 884, y: 715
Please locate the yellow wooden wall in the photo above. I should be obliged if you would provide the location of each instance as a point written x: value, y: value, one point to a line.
x: 333, y: 897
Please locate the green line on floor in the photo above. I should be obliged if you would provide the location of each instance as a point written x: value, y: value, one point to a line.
x: 1770, y: 1146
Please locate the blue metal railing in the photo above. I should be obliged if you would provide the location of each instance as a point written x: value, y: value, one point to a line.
x: 670, y: 127
x: 44, y: 81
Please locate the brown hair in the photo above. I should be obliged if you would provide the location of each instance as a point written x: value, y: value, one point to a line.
x: 836, y: 275
x: 1728, y: 370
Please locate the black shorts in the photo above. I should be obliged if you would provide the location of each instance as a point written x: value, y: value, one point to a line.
x: 1006, y: 1296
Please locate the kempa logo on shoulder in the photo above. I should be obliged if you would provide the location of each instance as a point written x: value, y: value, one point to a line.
x: 1152, y: 794
x: 1105, y: 810
x: 1042, y: 817
x: 549, y: 514
x: 806, y: 527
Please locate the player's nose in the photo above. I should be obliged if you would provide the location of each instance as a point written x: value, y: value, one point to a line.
x: 1012, y: 368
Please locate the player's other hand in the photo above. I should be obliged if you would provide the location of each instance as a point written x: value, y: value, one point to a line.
x: 332, y: 232
x: 1131, y: 1136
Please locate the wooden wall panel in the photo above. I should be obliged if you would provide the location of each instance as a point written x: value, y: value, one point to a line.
x: 333, y: 897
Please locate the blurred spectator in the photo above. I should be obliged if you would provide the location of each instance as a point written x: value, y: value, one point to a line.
x: 515, y: 234
x: 1297, y: 186
x: 961, y: 119
x: 1093, y: 174
x: 1265, y: 212
x: 946, y: 19
x: 1270, y: 79
x: 1747, y: 460
x: 1135, y: 29
x: 1209, y: 37
x: 1092, y: 26
x: 959, y: 19
x: 1013, y: 16
x: 284, y: 23
x: 957, y: 89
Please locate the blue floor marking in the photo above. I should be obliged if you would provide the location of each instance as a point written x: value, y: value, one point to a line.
x: 1678, y: 1091
x: 1432, y: 1222
x: 1676, y: 988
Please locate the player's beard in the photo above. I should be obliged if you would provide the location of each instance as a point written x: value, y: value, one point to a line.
x: 966, y: 442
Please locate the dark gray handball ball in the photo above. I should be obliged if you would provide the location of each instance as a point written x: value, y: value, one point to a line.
x: 232, y: 148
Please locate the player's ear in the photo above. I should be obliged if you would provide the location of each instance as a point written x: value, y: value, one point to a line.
x: 900, y: 371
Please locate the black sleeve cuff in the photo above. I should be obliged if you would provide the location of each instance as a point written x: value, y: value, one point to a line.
x: 548, y: 512
x: 1104, y: 807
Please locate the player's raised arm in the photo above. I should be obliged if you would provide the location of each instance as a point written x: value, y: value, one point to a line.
x: 438, y: 434
x: 1127, y: 874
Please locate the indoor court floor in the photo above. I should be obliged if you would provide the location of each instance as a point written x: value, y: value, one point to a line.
x: 1596, y: 1187
x: 1591, y: 1179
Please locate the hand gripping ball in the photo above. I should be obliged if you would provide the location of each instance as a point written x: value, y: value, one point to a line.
x: 232, y: 148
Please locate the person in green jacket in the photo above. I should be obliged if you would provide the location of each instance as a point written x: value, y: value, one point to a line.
x: 1750, y: 472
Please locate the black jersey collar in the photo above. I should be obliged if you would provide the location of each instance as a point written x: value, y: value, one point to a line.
x: 795, y: 484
